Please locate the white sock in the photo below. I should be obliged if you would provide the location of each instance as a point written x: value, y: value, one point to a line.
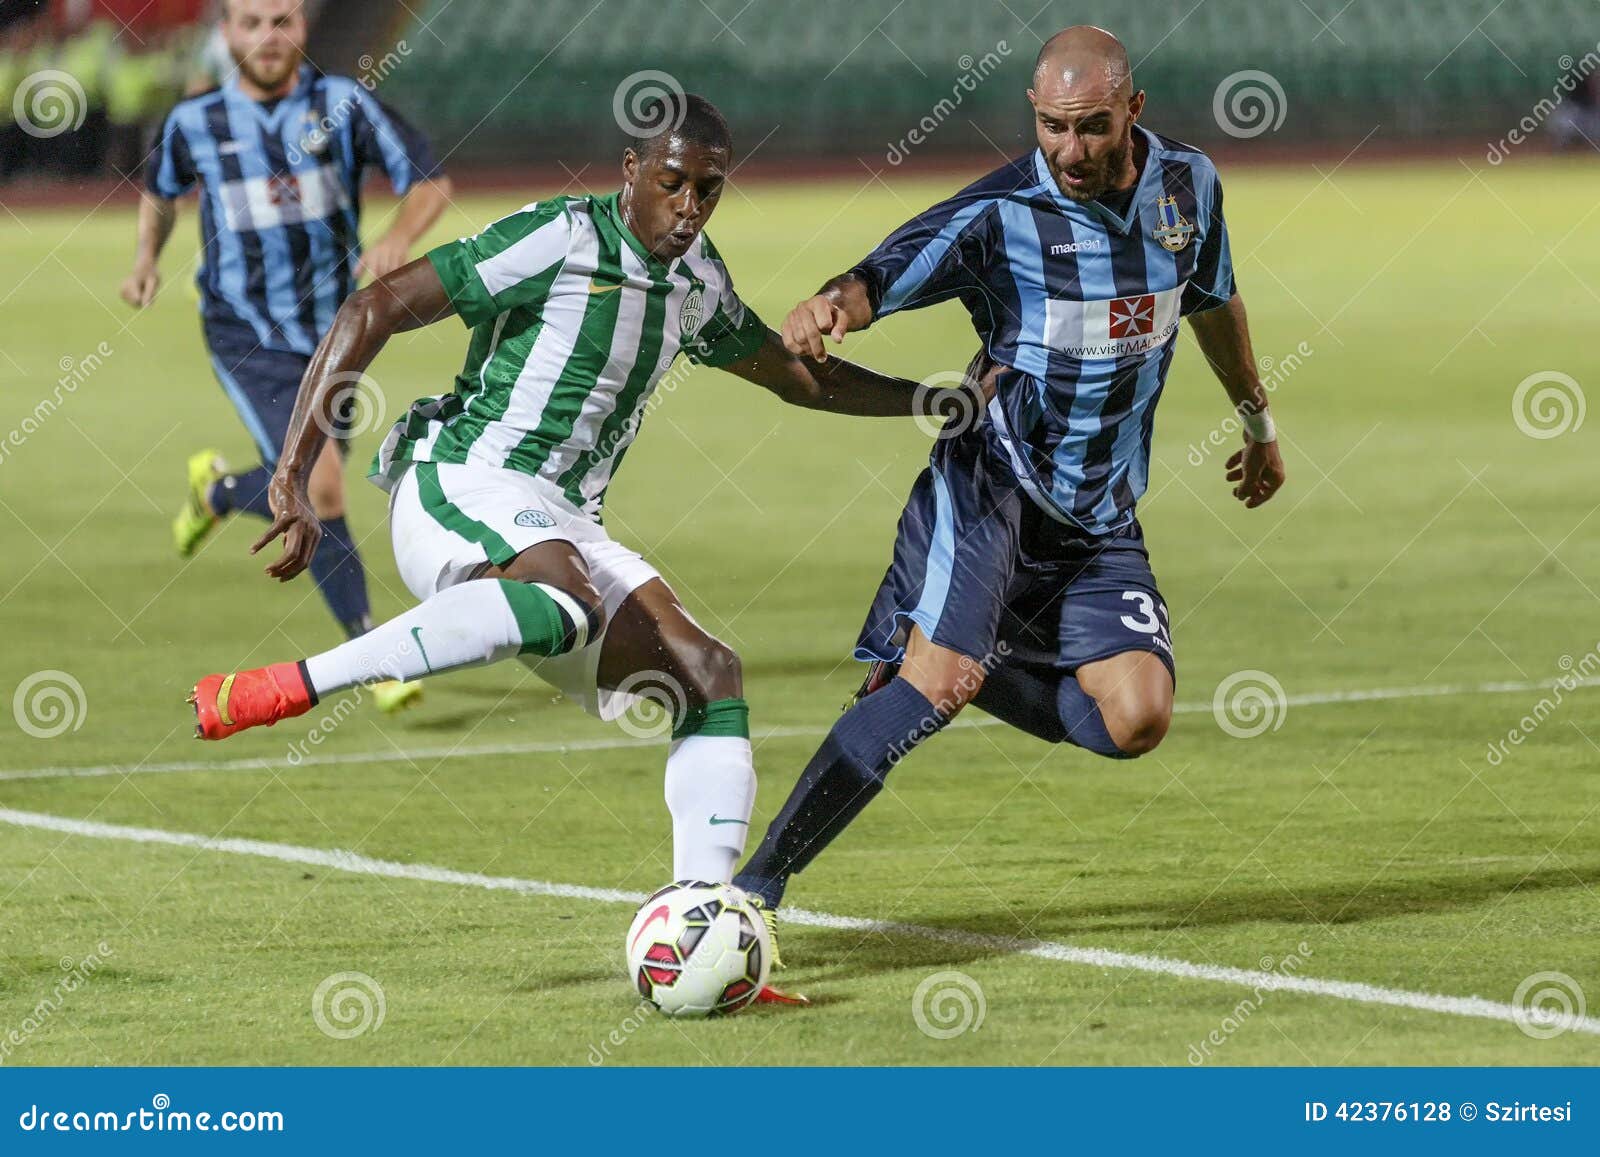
x: 477, y: 622
x: 711, y: 789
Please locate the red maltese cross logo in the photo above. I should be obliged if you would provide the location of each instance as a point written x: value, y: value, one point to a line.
x: 1133, y: 316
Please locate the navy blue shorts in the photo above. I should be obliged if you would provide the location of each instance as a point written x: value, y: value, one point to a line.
x: 262, y: 383
x: 988, y: 574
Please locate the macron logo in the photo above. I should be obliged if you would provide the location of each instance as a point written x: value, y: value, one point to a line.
x: 1087, y: 245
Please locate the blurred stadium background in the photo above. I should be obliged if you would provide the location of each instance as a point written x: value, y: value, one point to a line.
x: 499, y: 82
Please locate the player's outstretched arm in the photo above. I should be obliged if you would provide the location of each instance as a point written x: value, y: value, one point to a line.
x: 407, y: 299
x: 422, y: 205
x: 837, y: 386
x: 1224, y: 338
x: 157, y: 216
x: 839, y: 307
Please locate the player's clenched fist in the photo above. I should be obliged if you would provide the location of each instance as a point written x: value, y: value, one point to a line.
x: 841, y: 306
x: 139, y: 287
x: 808, y: 322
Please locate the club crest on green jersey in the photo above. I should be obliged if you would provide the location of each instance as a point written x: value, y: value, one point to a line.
x: 693, y: 311
x: 1173, y: 232
x: 534, y: 518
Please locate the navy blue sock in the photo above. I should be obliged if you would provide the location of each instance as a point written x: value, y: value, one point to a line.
x: 242, y: 492
x: 842, y: 778
x: 1080, y: 715
x: 337, y: 568
x: 1025, y: 698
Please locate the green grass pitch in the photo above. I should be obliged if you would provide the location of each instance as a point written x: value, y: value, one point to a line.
x: 1424, y: 542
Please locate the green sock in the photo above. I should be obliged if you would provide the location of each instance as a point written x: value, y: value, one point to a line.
x: 725, y: 718
x: 550, y: 621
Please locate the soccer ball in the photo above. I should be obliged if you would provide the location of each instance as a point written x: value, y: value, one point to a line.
x: 698, y: 949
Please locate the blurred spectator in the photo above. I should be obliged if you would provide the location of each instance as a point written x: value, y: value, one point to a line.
x: 213, y: 64
x: 86, y: 57
x: 143, y: 84
x: 1576, y: 122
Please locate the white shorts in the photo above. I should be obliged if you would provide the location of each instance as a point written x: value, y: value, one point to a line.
x: 448, y: 522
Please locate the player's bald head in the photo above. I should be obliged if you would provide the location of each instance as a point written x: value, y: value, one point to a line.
x: 1084, y: 107
x: 1086, y: 61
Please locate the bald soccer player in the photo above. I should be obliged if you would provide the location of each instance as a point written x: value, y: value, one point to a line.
x: 1020, y: 580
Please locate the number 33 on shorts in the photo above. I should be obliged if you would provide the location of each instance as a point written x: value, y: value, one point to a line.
x: 1148, y: 616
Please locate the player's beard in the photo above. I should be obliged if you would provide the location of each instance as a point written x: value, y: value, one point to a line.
x: 1101, y: 178
x: 270, y: 76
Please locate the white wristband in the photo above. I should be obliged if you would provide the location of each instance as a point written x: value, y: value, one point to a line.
x: 1258, y: 424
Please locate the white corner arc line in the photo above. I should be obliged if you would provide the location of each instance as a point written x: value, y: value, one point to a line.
x: 344, y: 861
x: 614, y: 742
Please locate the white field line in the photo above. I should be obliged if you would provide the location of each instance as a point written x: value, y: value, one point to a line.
x: 559, y: 746
x: 1102, y: 958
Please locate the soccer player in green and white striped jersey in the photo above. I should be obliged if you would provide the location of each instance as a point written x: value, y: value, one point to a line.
x: 577, y: 306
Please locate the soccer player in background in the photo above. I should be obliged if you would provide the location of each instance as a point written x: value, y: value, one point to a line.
x: 1020, y: 580
x: 279, y: 152
x: 577, y: 307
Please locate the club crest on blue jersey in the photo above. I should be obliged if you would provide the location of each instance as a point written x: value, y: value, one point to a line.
x: 1173, y: 232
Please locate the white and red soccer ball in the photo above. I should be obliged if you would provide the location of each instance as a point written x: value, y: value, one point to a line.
x: 697, y: 949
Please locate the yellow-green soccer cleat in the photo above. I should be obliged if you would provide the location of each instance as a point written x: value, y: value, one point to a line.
x: 196, y: 518
x: 393, y: 696
x: 770, y: 993
x: 770, y: 918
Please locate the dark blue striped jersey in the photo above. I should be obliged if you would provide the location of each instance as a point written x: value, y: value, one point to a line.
x: 280, y: 201
x: 1083, y: 304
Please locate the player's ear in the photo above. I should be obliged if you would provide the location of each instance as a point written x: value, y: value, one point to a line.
x: 630, y: 166
x: 1135, y: 105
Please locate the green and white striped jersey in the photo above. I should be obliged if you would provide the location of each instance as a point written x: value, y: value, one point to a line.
x: 573, y: 325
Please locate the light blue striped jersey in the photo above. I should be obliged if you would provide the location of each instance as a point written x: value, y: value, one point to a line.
x: 280, y: 199
x: 1083, y: 303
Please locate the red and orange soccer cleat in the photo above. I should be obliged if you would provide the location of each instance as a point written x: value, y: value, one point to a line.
x: 771, y: 995
x: 225, y: 704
